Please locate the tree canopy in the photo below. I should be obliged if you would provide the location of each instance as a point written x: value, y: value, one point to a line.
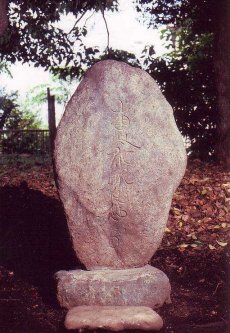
x: 14, y: 117
x: 3, y: 16
x: 193, y: 74
x: 187, y: 74
x: 202, y: 14
x: 33, y: 34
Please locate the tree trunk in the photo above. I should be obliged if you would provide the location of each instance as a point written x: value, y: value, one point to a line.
x: 3, y: 16
x: 222, y: 69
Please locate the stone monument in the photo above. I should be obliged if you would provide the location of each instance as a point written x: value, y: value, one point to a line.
x: 119, y: 158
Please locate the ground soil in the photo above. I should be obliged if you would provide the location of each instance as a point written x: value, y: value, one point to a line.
x: 34, y: 244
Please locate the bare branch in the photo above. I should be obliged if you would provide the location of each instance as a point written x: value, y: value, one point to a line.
x: 88, y: 18
x: 106, y: 25
x: 77, y: 22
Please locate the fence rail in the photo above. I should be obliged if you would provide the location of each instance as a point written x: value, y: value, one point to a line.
x: 32, y: 141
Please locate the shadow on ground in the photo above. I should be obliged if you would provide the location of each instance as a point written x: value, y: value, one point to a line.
x: 34, y: 240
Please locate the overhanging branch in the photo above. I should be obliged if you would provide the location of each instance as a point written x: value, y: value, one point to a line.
x: 106, y: 25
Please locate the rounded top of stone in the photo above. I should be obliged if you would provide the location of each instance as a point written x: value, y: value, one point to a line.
x: 110, y: 64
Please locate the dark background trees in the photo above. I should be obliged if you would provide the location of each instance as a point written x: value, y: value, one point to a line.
x: 14, y: 119
x: 222, y: 70
x: 194, y: 75
x: 186, y: 76
x: 12, y: 116
x: 3, y: 16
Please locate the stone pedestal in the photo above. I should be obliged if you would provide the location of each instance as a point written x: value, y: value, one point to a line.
x: 114, y: 318
x: 145, y: 286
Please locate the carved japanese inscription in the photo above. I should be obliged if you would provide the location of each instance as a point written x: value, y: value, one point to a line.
x: 120, y: 173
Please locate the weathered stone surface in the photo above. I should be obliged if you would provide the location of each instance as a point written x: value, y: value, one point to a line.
x: 114, y: 318
x: 146, y: 286
x: 119, y: 158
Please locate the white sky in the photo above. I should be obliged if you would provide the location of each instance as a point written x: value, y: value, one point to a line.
x: 126, y: 33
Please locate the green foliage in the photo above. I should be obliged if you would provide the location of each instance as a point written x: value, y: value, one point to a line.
x: 186, y: 72
x: 25, y: 142
x: 60, y: 88
x: 23, y: 119
x: 7, y: 105
x: 12, y: 117
x: 34, y: 35
x: 120, y: 55
x: 4, y: 69
x: 200, y: 14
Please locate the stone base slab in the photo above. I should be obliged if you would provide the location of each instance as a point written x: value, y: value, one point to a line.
x: 114, y: 318
x: 145, y: 286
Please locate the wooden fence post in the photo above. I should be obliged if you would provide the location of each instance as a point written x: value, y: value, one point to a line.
x: 51, y: 119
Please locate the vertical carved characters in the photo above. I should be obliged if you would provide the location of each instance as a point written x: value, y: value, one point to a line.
x: 119, y: 179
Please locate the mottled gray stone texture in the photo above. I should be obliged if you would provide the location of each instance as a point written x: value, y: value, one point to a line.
x: 113, y: 318
x: 146, y: 286
x: 119, y: 157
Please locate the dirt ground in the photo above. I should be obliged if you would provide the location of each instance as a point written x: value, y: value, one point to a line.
x: 34, y: 244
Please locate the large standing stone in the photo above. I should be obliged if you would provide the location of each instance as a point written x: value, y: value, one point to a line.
x: 119, y: 158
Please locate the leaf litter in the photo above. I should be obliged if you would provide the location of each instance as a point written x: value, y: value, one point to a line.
x: 194, y: 252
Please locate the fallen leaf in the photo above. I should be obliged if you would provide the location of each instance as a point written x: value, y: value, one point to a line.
x: 204, y: 192
x: 180, y: 224
x: 211, y: 247
x: 221, y: 243
x: 177, y: 211
x: 183, y: 245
